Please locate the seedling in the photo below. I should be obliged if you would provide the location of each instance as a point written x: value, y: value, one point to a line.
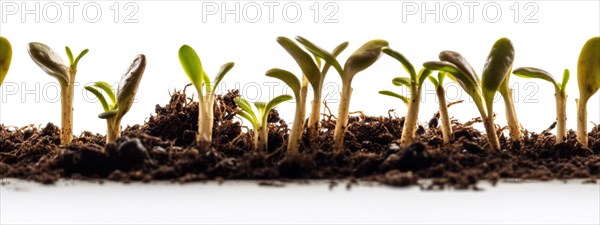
x: 206, y: 91
x: 52, y: 64
x: 5, y: 58
x: 447, y: 133
x: 259, y: 122
x: 560, y: 95
x: 317, y: 84
x: 414, y: 83
x: 119, y: 105
x: 360, y: 60
x: 497, y: 66
x: 588, y: 78
x: 312, y: 75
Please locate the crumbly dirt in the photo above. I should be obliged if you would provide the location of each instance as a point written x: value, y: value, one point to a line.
x: 164, y: 148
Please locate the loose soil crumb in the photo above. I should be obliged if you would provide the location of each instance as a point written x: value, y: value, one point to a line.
x: 164, y: 148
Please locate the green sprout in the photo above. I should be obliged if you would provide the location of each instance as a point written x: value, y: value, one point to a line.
x: 206, y: 91
x: 312, y: 75
x: 588, y: 78
x: 447, y: 133
x: 414, y: 83
x: 119, y: 105
x: 361, y: 59
x: 52, y: 64
x: 497, y: 67
x: 5, y: 57
x: 560, y: 95
x: 259, y: 122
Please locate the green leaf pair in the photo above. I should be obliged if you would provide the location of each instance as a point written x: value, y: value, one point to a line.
x: 414, y: 81
x: 5, y: 58
x: 193, y: 68
x: 535, y: 73
x: 263, y: 109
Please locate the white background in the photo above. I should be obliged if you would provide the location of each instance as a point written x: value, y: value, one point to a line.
x: 552, y: 43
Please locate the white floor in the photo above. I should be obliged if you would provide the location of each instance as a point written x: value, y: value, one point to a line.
x: 246, y: 202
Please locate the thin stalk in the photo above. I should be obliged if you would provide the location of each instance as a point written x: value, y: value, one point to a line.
x: 66, y: 101
x: 114, y: 131
x: 297, y: 127
x: 561, y: 116
x: 582, y: 122
x: 342, y: 119
x: 205, y: 121
x: 260, y: 141
x: 490, y: 128
x: 447, y: 133
x: 511, y: 116
x: 410, y: 121
x: 315, y: 116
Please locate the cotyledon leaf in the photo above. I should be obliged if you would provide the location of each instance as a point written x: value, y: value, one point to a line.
x: 363, y: 57
x: 394, y: 94
x: 276, y: 101
x: 434, y: 81
x: 403, y: 60
x: 399, y: 81
x: 129, y: 84
x: 335, y: 53
x: 224, y: 70
x: 565, y: 80
x: 328, y: 57
x: 248, y: 117
x: 99, y: 96
x: 108, y: 89
x: 287, y: 77
x: 531, y: 72
x: 244, y: 105
x: 192, y: 66
x: 463, y: 80
x: 423, y: 74
x: 5, y: 57
x: 108, y: 114
x: 49, y: 61
x: 303, y: 59
x: 497, y: 67
x: 461, y: 64
x: 588, y: 69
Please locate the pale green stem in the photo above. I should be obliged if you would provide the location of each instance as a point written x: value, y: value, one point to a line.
x: 561, y: 116
x: 582, y: 122
x: 511, y: 116
x: 410, y: 121
x: 444, y: 117
x: 66, y: 101
x: 342, y: 119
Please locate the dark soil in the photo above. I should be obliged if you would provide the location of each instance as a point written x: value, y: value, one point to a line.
x: 164, y: 148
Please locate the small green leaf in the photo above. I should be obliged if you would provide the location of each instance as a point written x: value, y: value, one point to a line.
x: 303, y: 59
x: 128, y: 86
x: 274, y: 102
x: 248, y: 117
x: 328, y: 57
x: 244, y: 105
x: 461, y: 64
x: 107, y: 89
x: 69, y: 54
x: 395, y: 95
x: 262, y: 112
x: 434, y: 81
x: 565, y: 80
x: 465, y: 81
x: 49, y: 61
x: 318, y: 61
x: 99, y: 96
x: 76, y: 62
x: 108, y: 114
x: 224, y: 70
x: 192, y: 66
x: 399, y: 81
x: 441, y: 76
x: 403, y: 60
x: 363, y: 58
x: 287, y: 77
x: 531, y: 72
x: 5, y: 58
x: 423, y: 74
x: 336, y: 52
x: 588, y: 69
x: 497, y: 67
